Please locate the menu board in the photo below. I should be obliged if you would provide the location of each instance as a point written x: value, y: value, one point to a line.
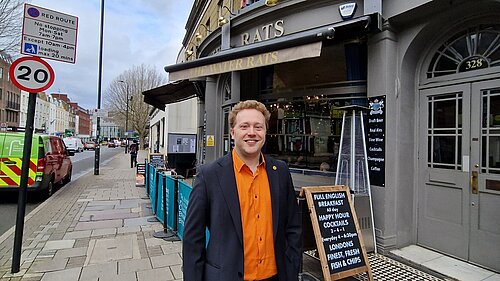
x: 141, y: 168
x: 375, y: 141
x: 157, y: 160
x: 338, y: 238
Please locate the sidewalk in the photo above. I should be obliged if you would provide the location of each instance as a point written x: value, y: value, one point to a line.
x: 94, y: 229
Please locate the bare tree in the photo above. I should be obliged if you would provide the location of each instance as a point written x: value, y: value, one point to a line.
x: 132, y: 83
x: 11, y: 15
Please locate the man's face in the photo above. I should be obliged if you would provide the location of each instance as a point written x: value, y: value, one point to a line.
x: 249, y: 133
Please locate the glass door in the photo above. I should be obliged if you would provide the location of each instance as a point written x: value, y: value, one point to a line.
x: 485, y: 174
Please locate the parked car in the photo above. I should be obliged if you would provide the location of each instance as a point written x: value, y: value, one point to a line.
x: 73, y: 144
x: 111, y: 144
x: 50, y: 162
x: 89, y: 145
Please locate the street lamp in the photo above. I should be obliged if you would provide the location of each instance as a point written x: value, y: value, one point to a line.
x: 126, y: 119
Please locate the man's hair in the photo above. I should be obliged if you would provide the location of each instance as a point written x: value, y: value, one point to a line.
x: 248, y: 104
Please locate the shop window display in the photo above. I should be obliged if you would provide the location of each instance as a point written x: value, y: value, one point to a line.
x: 305, y: 132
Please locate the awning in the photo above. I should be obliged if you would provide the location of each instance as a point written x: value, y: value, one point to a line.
x: 274, y: 51
x: 173, y: 92
x: 248, y: 62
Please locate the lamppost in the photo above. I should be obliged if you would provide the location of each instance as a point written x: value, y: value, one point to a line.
x: 126, y: 119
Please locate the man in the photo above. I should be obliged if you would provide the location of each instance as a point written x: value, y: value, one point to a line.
x: 133, y: 153
x: 247, y: 202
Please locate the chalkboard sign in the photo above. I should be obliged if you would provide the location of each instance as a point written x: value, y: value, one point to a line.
x: 338, y: 238
x: 141, y: 168
x: 157, y: 160
x: 375, y: 144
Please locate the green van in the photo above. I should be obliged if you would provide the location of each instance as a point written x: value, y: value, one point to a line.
x: 49, y: 162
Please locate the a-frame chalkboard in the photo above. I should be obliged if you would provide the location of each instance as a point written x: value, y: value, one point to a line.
x: 340, y: 246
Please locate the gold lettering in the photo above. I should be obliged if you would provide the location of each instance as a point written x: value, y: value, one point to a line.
x: 225, y: 66
x: 250, y: 61
x: 239, y: 64
x: 267, y: 31
x: 231, y: 63
x: 274, y: 57
x: 280, y: 30
x: 267, y: 58
x: 260, y: 60
x: 244, y: 39
x: 256, y: 37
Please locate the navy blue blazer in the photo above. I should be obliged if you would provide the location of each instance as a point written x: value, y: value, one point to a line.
x: 214, y: 204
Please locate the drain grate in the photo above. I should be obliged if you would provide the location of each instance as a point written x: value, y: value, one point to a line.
x: 384, y: 268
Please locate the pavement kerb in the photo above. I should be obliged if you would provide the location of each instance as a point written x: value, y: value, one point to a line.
x: 11, y: 230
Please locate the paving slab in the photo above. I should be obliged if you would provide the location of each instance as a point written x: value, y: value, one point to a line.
x: 106, y: 270
x: 48, y: 265
x: 173, y: 247
x: 112, y: 249
x: 130, y: 276
x: 98, y: 224
x: 103, y: 203
x: 126, y: 215
x: 77, y: 234
x: 177, y: 271
x: 103, y: 231
x: 128, y: 229
x: 166, y: 260
x: 157, y: 274
x: 132, y: 265
x: 58, y: 244
x: 71, y: 274
x: 138, y: 221
x: 69, y: 253
x: 100, y: 208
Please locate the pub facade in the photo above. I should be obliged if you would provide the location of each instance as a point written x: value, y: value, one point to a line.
x: 434, y: 68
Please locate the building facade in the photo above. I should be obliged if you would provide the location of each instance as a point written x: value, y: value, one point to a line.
x: 434, y: 68
x: 10, y: 95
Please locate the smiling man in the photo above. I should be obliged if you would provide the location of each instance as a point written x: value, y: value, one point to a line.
x: 247, y: 202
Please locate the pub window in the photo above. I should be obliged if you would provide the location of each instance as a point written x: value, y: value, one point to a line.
x: 305, y: 131
x: 1, y: 72
x: 444, y: 131
x: 226, y: 91
x: 475, y: 48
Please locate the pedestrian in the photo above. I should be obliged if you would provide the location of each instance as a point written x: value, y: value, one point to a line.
x: 134, y: 147
x: 247, y: 202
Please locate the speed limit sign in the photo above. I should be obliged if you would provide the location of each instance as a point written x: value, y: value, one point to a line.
x: 31, y: 74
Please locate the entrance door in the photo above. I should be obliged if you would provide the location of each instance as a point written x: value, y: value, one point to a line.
x: 459, y: 169
x: 484, y: 247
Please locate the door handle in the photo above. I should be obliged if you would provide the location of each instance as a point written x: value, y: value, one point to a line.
x: 473, y: 182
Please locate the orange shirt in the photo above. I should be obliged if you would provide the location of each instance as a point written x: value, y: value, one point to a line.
x: 257, y: 220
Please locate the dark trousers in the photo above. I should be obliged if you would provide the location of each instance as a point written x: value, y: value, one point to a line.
x: 133, y: 160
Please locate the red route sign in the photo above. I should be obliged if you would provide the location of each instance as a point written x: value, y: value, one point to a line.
x: 31, y: 74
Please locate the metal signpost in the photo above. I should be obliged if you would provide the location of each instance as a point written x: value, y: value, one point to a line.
x: 31, y: 74
x: 49, y: 34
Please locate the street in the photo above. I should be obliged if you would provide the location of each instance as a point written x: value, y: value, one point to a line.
x: 83, y: 163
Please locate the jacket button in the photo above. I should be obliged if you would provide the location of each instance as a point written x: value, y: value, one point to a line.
x: 240, y: 274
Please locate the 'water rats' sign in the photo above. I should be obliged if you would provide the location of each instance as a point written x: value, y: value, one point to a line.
x: 49, y: 34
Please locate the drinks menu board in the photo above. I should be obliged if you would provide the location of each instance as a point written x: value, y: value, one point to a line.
x: 338, y: 238
x: 375, y: 142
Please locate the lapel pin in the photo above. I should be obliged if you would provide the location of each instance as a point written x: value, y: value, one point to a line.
x: 274, y: 168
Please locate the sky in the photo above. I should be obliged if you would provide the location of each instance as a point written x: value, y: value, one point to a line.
x: 136, y: 32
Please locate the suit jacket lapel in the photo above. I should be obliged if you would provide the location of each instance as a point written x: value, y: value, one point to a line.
x: 273, y: 177
x: 227, y: 184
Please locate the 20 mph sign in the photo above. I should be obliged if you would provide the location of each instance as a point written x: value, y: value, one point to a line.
x: 31, y: 74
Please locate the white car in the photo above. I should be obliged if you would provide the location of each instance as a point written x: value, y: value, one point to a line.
x: 73, y: 144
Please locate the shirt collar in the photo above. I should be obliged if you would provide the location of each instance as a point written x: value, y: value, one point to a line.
x: 238, y: 163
